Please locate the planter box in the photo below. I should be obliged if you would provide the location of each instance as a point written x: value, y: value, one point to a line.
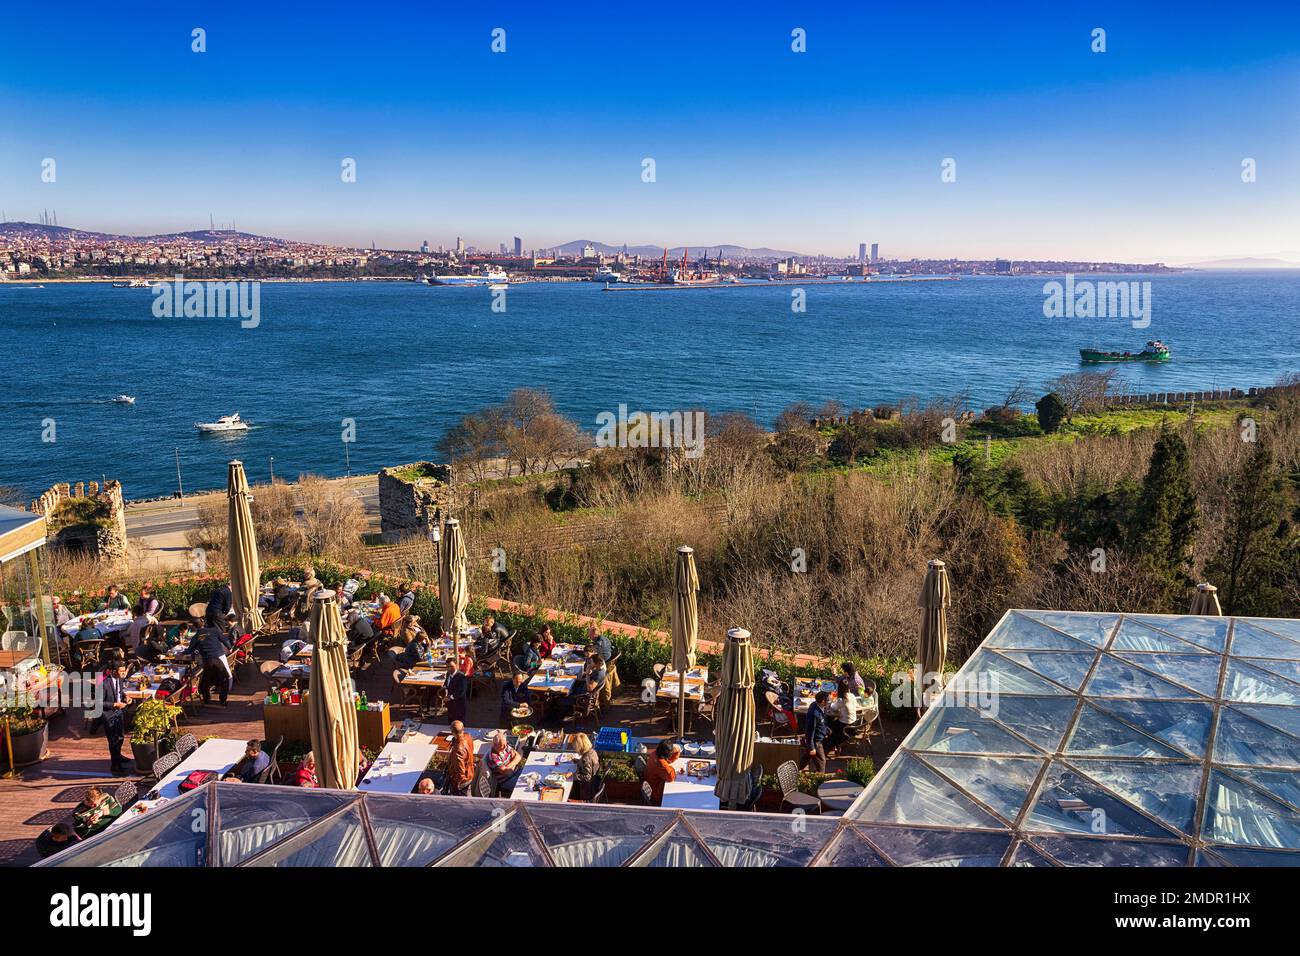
x: 770, y: 801
x: 145, y: 754
x: 28, y: 748
x: 617, y: 791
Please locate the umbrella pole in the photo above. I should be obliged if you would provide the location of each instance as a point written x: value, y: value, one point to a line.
x: 681, y: 703
x: 9, y: 746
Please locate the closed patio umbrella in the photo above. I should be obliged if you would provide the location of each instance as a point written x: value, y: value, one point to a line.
x: 734, y: 724
x: 932, y: 646
x: 331, y: 711
x: 245, y: 571
x: 1206, y: 601
x: 453, y: 588
x: 685, y: 625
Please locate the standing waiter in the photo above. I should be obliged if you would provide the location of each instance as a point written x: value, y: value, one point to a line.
x: 114, y: 695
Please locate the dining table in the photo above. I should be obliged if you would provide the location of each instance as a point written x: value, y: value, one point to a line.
x: 398, y: 767
x: 218, y: 755
x: 541, y: 763
x: 105, y: 622
x: 555, y: 677
x: 693, y: 788
x: 670, y: 684
x: 806, y: 690
x: 156, y: 674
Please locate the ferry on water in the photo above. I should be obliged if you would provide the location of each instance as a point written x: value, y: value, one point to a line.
x: 486, y: 277
x: 1155, y: 351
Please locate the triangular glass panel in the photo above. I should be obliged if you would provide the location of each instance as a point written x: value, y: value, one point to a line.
x: 1200, y: 672
x: 907, y: 791
x: 593, y: 835
x: 1134, y: 636
x: 163, y: 836
x: 1210, y: 633
x: 1240, y: 740
x: 1251, y: 641
x: 1285, y: 719
x: 1069, y: 802
x: 1026, y: 855
x: 910, y: 847
x: 507, y: 842
x: 850, y: 850
x: 1282, y: 784
x: 1179, y: 723
x: 1019, y: 631
x: 1003, y: 783
x: 337, y: 842
x: 754, y: 839
x: 249, y: 819
x: 1063, y: 667
x: 1283, y: 627
x: 1207, y: 860
x: 1042, y: 720
x: 416, y: 830
x: 1239, y: 814
x: 1116, y: 678
x: 1082, y: 851
x: 987, y: 673
x: 1093, y: 629
x: 965, y: 730
x: 1242, y: 856
x: 1290, y: 670
x: 1167, y: 791
x: 678, y: 849
x: 1100, y: 735
x: 1249, y: 684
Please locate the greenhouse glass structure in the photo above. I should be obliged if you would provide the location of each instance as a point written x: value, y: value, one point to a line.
x: 1067, y: 739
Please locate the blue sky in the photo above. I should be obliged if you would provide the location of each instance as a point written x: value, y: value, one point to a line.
x: 1134, y: 154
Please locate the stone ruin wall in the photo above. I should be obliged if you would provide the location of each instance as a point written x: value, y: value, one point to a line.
x: 413, y: 508
x: 106, y: 542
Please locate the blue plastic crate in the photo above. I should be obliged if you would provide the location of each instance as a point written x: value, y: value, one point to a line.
x: 613, y: 739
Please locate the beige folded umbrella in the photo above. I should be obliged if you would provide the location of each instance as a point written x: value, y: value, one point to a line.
x: 245, y: 571
x: 331, y: 709
x: 733, y: 733
x: 1206, y: 601
x: 685, y: 625
x: 453, y: 588
x: 932, y: 646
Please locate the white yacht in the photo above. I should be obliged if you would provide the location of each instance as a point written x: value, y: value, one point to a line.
x: 125, y: 400
x: 226, y: 423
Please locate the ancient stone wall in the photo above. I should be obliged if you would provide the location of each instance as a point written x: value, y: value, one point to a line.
x: 104, y: 537
x: 413, y: 498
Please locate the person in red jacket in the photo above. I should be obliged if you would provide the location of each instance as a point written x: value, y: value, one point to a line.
x: 307, y: 771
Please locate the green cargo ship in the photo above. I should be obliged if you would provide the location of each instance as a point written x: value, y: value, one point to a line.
x: 1156, y: 351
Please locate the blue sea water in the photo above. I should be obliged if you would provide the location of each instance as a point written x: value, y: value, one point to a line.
x: 405, y: 361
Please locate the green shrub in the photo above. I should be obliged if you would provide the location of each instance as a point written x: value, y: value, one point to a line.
x: 860, y: 770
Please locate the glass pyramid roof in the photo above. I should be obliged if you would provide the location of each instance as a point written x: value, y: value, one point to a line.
x: 1067, y: 739
x: 1081, y: 739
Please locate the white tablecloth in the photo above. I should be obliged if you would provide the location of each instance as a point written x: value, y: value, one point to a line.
x: 691, y: 793
x: 218, y: 754
x: 548, y: 679
x: 801, y: 704
x: 113, y: 621
x: 542, y: 764
x: 386, y: 776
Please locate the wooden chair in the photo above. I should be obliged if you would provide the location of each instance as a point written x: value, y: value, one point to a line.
x: 860, y: 732
x: 707, y: 707
x: 189, y: 692
x: 788, y: 775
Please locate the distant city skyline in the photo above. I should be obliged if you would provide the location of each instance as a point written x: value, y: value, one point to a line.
x: 1134, y: 154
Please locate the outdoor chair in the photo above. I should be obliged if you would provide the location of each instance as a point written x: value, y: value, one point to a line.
x: 484, y: 783
x: 161, y: 767
x: 485, y: 672
x: 788, y: 775
x: 125, y: 793
x: 647, y: 795
x: 707, y: 707
x: 272, y: 771
x: 186, y: 745
x: 584, y: 706
x: 189, y: 692
x: 17, y: 641
x: 88, y: 652
x: 639, y: 766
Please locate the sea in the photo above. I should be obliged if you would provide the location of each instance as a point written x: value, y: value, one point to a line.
x: 401, y: 362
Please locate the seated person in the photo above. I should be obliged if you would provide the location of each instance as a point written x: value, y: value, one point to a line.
x: 842, y: 713
x: 465, y: 661
x: 530, y: 658
x: 504, y: 762
x: 114, y: 600
x: 152, y: 606
x: 600, y: 642
x: 425, y: 785
x: 389, y: 615
x: 416, y: 651
x: 251, y: 766
x: 545, y: 641
x: 58, y: 837
x: 491, y: 635
x: 88, y: 632
x: 405, y: 597
x: 361, y: 632
x: 588, y: 685
x: 659, y: 770
x: 292, y: 644
x: 514, y: 694
x: 850, y: 674
x: 306, y: 775
x: 585, y: 767
x: 95, y: 812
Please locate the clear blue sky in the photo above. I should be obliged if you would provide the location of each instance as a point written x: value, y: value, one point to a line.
x: 1133, y: 154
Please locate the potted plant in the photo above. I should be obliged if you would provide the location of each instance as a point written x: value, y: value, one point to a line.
x: 152, y: 721
x: 621, y: 783
x: 29, y: 733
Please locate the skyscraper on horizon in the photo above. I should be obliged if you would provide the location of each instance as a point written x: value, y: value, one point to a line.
x: 862, y: 252
x: 875, y: 253
x: 519, y: 247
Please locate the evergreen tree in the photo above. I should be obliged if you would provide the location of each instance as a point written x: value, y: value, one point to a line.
x: 1051, y: 410
x: 1252, y: 559
x: 1165, y: 523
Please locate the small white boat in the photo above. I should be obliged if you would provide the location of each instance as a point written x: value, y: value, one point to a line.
x: 226, y: 423
x: 125, y: 400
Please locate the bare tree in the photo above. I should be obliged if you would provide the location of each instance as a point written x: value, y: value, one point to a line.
x: 1085, y: 392
x: 475, y: 442
x: 332, y: 517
